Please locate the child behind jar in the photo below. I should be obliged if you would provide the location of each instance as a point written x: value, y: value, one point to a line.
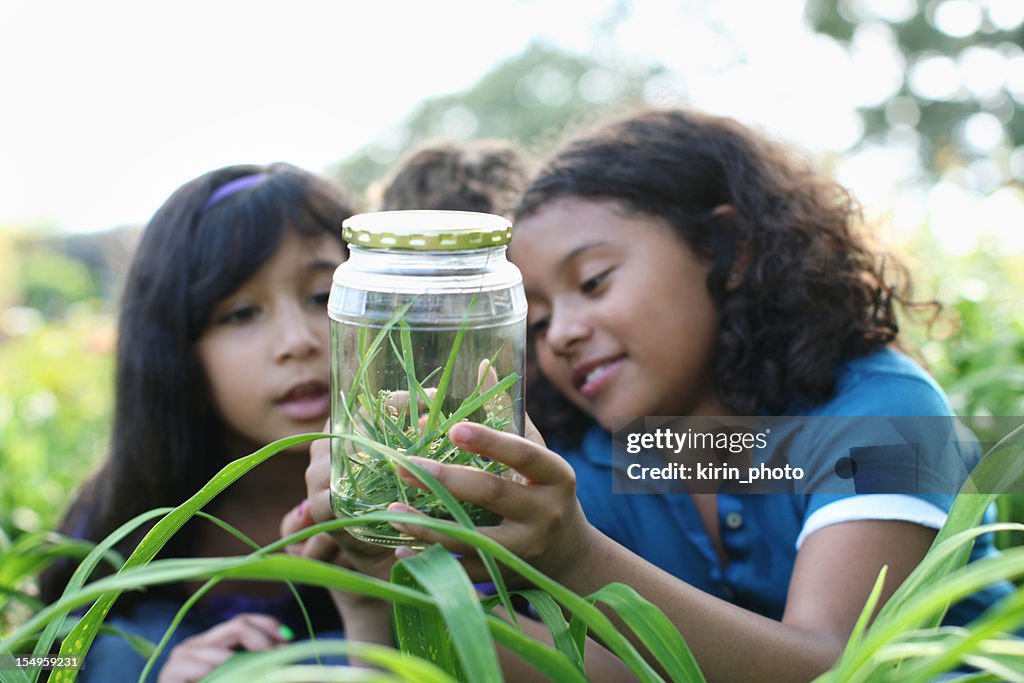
x: 222, y: 348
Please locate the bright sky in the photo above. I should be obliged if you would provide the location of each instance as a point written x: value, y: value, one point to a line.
x: 109, y: 105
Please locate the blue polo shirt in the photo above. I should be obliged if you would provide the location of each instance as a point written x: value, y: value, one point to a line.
x: 761, y: 533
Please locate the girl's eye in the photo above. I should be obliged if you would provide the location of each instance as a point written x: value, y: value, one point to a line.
x: 537, y: 327
x: 591, y: 284
x: 320, y: 299
x: 239, y: 315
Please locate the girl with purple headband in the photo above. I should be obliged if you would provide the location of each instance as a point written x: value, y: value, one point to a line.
x: 223, y: 348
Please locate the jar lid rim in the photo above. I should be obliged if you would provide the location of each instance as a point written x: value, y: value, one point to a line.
x: 427, y: 230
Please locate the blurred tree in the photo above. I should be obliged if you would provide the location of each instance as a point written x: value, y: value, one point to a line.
x: 51, y: 280
x: 962, y: 85
x: 529, y: 98
x: 55, y: 403
x: 9, y: 275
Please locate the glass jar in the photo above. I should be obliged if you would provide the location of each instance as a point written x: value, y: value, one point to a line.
x: 427, y: 307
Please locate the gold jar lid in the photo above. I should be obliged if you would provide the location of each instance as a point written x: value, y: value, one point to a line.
x: 426, y: 230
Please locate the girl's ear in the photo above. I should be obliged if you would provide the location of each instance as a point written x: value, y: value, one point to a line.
x: 727, y: 214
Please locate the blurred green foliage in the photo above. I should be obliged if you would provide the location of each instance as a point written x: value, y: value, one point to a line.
x: 529, y: 98
x: 51, y: 281
x: 958, y: 59
x: 975, y: 346
x: 55, y: 388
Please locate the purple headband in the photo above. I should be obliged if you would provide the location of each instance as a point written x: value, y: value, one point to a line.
x: 232, y: 187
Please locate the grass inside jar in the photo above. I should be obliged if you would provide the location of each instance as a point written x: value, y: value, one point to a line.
x: 413, y: 421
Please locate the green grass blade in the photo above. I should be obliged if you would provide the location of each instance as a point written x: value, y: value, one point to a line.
x: 471, y: 406
x: 421, y: 631
x: 581, y: 608
x: 980, y: 677
x: 14, y: 676
x: 394, y: 431
x: 966, y: 512
x: 103, y: 549
x: 551, y: 614
x: 654, y: 629
x: 143, y: 646
x: 82, y: 635
x: 596, y: 621
x: 254, y: 664
x: 1003, y: 618
x: 446, y: 373
x: 366, y: 355
x: 21, y: 597
x: 414, y: 386
x: 32, y: 553
x: 468, y: 407
x: 371, y: 429
x: 1010, y: 672
x: 948, y: 555
x: 448, y: 500
x: 553, y: 664
x: 1001, y: 469
x: 464, y: 622
x: 483, y: 376
x: 276, y: 567
x: 442, y: 385
x: 856, y: 665
x: 869, y: 608
x: 305, y: 673
x: 578, y: 633
x: 156, y: 650
x: 587, y: 613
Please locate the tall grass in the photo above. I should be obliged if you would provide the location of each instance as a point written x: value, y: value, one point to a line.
x: 445, y: 632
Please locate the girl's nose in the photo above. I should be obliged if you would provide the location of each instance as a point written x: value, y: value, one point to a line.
x: 297, y: 337
x: 566, y: 331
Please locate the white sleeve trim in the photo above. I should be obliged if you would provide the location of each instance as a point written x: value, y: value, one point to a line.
x: 888, y: 506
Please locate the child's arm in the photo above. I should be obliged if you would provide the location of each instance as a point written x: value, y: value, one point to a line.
x: 368, y: 619
x: 543, y: 523
x: 365, y: 619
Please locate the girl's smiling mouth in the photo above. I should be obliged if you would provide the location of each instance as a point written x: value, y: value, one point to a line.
x: 592, y: 377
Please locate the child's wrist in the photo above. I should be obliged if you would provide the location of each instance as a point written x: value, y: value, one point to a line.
x: 596, y: 557
x: 358, y: 605
x: 580, y: 557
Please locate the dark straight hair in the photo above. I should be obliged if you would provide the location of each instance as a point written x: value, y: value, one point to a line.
x: 200, y: 247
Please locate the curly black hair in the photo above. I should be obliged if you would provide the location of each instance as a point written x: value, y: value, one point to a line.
x: 813, y: 291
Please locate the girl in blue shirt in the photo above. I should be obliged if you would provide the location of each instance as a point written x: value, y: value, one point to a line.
x: 677, y: 263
